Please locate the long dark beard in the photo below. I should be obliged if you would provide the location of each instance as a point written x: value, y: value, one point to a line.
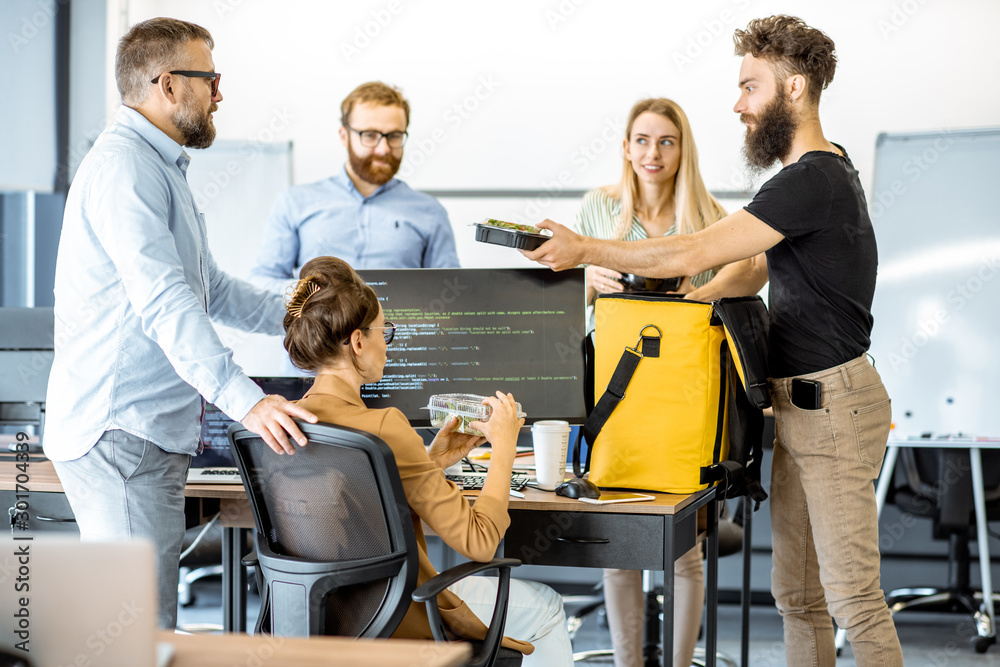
x: 363, y: 167
x: 197, y: 129
x: 771, y: 140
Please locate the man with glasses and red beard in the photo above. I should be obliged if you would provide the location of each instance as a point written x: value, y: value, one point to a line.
x: 363, y: 215
x: 136, y: 291
x: 811, y: 221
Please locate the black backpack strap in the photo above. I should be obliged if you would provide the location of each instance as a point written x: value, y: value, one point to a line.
x: 740, y: 474
x: 615, y: 392
x: 746, y: 322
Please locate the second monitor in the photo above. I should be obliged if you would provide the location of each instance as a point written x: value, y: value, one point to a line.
x: 476, y: 331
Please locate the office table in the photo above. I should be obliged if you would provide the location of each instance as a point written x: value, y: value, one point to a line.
x: 42, y: 478
x: 229, y: 649
x: 545, y: 530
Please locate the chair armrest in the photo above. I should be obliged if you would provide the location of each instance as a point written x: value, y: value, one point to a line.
x: 436, y: 585
x: 264, y: 616
x: 433, y: 587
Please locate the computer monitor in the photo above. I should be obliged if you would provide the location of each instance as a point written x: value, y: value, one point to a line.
x: 476, y: 331
x: 215, y: 451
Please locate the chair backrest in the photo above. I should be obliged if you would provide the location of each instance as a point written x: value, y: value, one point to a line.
x: 334, y: 538
x: 937, y: 483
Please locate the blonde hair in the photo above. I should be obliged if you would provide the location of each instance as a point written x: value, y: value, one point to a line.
x: 695, y: 206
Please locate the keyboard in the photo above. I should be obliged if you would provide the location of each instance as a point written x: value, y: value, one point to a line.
x: 473, y: 481
x: 214, y: 476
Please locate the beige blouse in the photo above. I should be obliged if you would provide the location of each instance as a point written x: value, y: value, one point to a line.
x: 473, y: 530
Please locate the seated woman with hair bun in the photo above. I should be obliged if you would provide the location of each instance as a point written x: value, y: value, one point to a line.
x: 335, y: 327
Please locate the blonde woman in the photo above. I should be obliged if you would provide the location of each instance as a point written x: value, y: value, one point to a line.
x: 661, y: 192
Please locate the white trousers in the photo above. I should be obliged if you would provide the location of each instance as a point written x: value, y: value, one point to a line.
x: 534, y: 614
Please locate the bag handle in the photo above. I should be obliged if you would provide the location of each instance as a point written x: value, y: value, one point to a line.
x: 647, y: 346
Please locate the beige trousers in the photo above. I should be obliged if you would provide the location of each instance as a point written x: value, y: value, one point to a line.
x: 824, y: 521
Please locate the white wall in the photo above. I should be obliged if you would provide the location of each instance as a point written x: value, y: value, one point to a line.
x: 544, y: 87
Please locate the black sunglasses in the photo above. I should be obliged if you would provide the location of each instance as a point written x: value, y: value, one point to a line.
x: 215, y: 76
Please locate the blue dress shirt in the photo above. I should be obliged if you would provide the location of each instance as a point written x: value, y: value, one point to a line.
x: 395, y: 227
x: 135, y: 287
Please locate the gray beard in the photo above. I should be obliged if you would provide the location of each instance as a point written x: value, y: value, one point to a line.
x: 197, y: 132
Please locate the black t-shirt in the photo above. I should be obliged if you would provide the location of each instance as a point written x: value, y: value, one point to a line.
x: 822, y: 275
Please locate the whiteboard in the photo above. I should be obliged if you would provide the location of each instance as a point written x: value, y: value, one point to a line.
x: 235, y: 184
x: 933, y: 207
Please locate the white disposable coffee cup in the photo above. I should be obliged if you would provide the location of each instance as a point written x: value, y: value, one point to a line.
x: 551, y: 442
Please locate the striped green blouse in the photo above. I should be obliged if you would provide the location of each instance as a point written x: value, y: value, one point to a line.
x: 598, y: 217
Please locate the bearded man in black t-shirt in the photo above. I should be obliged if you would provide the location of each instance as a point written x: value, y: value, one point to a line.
x: 810, y: 222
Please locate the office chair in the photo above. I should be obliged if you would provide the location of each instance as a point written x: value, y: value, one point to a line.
x: 937, y: 483
x: 336, y: 552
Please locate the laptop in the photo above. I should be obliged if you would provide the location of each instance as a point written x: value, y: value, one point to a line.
x: 67, y: 602
x: 216, y: 463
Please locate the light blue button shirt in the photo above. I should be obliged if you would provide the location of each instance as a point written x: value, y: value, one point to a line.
x: 395, y: 227
x: 135, y: 289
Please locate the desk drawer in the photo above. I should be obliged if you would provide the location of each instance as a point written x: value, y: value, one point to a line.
x: 586, y: 539
x: 48, y: 513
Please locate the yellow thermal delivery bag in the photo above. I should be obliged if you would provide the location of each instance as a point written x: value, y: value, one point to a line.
x: 669, y: 420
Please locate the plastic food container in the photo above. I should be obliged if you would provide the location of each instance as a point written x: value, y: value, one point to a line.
x: 509, y: 234
x: 467, y: 407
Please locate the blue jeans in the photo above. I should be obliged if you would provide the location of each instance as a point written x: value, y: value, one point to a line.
x: 824, y: 520
x: 127, y: 488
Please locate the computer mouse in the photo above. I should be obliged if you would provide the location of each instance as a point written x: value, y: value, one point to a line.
x: 578, y: 487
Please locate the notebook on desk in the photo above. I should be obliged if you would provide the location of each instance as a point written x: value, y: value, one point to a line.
x: 82, y: 603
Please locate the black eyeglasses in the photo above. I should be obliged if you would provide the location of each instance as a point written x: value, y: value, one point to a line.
x: 371, y: 138
x: 215, y: 76
x: 389, y: 331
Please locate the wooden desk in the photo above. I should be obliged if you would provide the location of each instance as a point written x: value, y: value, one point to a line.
x: 237, y: 649
x: 235, y: 518
x: 546, y: 529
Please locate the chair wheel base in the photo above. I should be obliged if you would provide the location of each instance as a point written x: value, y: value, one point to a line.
x: 981, y: 644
